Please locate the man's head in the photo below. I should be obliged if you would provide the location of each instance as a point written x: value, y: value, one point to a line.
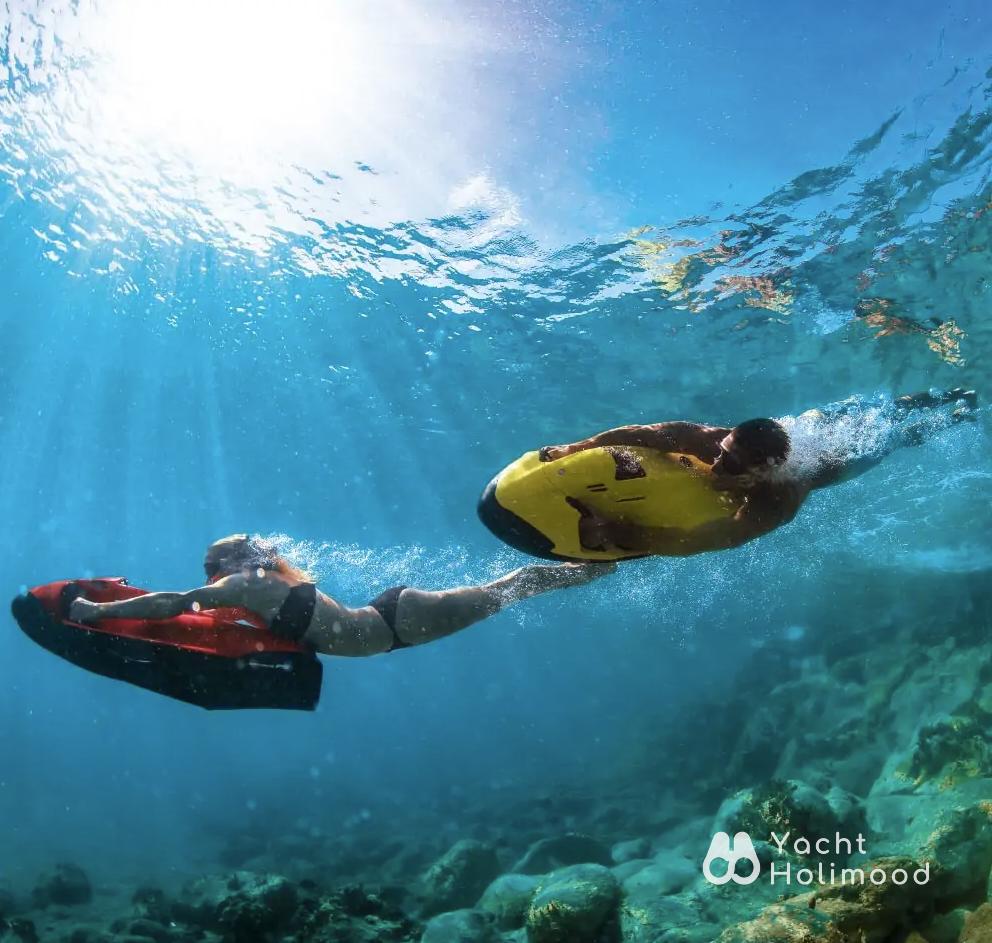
x: 753, y: 447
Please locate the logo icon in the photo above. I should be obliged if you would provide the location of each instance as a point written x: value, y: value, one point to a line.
x: 721, y: 848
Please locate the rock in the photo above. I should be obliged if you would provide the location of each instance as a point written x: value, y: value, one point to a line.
x: 978, y: 926
x: 151, y: 929
x: 461, y: 926
x: 577, y: 904
x: 625, y: 851
x: 945, y: 928
x: 91, y: 935
x: 325, y: 921
x: 629, y: 868
x: 868, y: 913
x: 18, y: 930
x: 508, y: 898
x: 666, y: 920
x: 239, y: 904
x: 548, y: 854
x: 67, y: 886
x: 960, y: 849
x: 152, y: 903
x: 782, y: 806
x: 457, y: 879
x: 665, y: 875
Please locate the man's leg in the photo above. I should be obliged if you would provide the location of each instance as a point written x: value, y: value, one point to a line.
x: 916, y: 428
x: 906, y: 421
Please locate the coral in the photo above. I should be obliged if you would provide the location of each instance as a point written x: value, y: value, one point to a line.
x: 840, y: 913
x: 951, y: 750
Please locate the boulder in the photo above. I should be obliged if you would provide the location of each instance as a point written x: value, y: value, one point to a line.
x: 458, y: 878
x: 676, y: 919
x: 508, y: 898
x: 665, y: 875
x: 18, y: 930
x: 868, y: 913
x: 790, y: 805
x: 575, y: 905
x: 66, y: 886
x: 945, y: 928
x: 960, y: 850
x: 625, y: 851
x: 977, y: 926
x: 239, y: 905
x: 548, y: 854
x: 327, y: 920
x: 461, y: 926
x: 629, y: 868
x: 151, y: 929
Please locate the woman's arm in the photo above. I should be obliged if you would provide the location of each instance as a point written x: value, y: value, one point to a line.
x: 226, y: 592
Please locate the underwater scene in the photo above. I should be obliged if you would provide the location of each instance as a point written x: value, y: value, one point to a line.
x: 505, y: 472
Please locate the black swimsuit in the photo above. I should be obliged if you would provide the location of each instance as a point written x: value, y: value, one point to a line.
x: 385, y: 604
x: 296, y: 613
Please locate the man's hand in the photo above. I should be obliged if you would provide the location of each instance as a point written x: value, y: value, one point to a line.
x: 551, y: 453
x: 605, y: 535
x: 84, y: 611
x: 595, y: 532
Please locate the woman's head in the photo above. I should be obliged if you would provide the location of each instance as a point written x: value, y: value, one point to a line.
x: 241, y: 552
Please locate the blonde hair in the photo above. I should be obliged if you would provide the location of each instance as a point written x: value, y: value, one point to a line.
x: 247, y: 552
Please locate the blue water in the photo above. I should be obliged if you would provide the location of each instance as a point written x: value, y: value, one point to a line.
x: 321, y: 272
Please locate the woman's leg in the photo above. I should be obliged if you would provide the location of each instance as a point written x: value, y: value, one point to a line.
x: 422, y: 615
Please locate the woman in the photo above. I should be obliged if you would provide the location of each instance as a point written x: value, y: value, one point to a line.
x: 247, y: 572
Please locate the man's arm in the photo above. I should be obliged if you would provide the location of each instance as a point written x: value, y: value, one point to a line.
x: 688, y: 437
x: 833, y: 471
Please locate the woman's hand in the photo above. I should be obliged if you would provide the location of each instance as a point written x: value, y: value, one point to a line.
x: 84, y: 611
x: 544, y: 576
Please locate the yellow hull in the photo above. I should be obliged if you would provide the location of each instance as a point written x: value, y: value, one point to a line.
x: 527, y: 504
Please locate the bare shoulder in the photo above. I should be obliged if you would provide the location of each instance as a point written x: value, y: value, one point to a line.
x: 773, y: 503
x: 692, y: 437
x: 249, y: 588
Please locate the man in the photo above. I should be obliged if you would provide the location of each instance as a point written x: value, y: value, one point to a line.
x: 755, y: 467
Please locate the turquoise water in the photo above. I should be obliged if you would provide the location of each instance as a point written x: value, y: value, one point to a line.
x: 319, y: 274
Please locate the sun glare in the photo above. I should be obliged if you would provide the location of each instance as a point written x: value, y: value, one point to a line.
x: 247, y: 120
x: 225, y: 80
